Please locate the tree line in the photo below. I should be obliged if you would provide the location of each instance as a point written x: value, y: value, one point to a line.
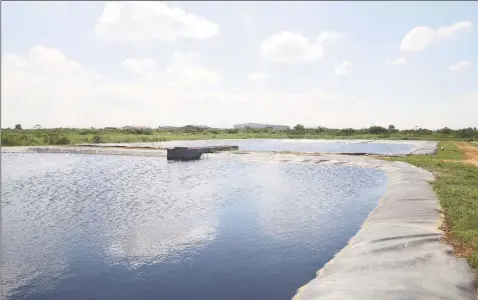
x: 64, y: 136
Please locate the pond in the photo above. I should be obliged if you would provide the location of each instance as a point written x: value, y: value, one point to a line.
x: 117, y: 227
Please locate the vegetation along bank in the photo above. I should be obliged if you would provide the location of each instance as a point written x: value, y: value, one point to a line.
x: 67, y: 136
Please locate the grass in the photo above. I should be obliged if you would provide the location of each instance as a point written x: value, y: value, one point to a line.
x: 65, y: 136
x: 456, y: 185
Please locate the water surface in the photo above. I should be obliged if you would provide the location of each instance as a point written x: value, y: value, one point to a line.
x: 117, y: 227
x: 304, y: 145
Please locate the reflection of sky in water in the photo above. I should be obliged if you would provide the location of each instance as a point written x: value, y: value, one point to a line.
x: 300, y: 205
x: 107, y: 227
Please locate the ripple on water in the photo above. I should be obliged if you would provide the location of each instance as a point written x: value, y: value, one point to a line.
x: 115, y: 227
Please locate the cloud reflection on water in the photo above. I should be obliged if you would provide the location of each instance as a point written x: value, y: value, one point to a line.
x: 70, y: 220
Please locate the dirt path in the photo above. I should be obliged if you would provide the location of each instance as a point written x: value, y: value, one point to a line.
x: 470, y: 152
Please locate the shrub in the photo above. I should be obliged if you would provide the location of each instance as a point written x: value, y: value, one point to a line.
x: 145, y: 131
x: 10, y: 140
x: 61, y: 140
x: 97, y: 139
x: 55, y: 139
x: 423, y: 131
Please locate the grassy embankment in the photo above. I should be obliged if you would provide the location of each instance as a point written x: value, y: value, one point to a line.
x: 66, y: 136
x: 456, y: 185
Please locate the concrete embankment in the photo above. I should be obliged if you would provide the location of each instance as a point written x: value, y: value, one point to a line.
x: 424, y: 147
x: 397, y: 254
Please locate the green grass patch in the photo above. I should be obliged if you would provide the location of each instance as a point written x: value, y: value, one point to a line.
x: 66, y: 136
x: 456, y: 185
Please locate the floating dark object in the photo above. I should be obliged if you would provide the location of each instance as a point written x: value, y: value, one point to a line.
x: 184, y: 153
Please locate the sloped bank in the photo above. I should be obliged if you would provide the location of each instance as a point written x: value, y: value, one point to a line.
x: 397, y: 254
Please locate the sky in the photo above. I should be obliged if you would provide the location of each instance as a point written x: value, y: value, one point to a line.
x: 316, y: 63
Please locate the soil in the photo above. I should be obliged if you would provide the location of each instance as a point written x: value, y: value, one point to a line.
x: 470, y: 152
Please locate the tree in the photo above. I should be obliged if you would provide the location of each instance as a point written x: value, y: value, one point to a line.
x: 299, y: 127
x: 466, y: 132
x: 377, y: 130
x: 445, y: 130
x: 347, y: 131
x: 391, y: 127
x: 18, y: 127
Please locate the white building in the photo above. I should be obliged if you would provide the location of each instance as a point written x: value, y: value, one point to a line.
x: 260, y: 126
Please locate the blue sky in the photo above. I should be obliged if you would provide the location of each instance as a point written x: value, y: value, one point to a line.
x: 336, y: 64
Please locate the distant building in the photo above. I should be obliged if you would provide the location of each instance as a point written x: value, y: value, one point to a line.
x: 185, y: 127
x: 260, y: 126
x: 195, y: 126
x: 136, y: 127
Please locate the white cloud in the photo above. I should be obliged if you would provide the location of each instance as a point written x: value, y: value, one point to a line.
x: 445, y: 32
x: 291, y: 47
x: 142, y: 68
x: 459, y: 66
x: 186, y: 68
x: 419, y: 38
x: 45, y: 87
x: 145, y: 21
x: 327, y: 37
x: 138, y: 65
x: 398, y: 61
x: 48, y: 62
x: 258, y: 76
x: 342, y: 68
